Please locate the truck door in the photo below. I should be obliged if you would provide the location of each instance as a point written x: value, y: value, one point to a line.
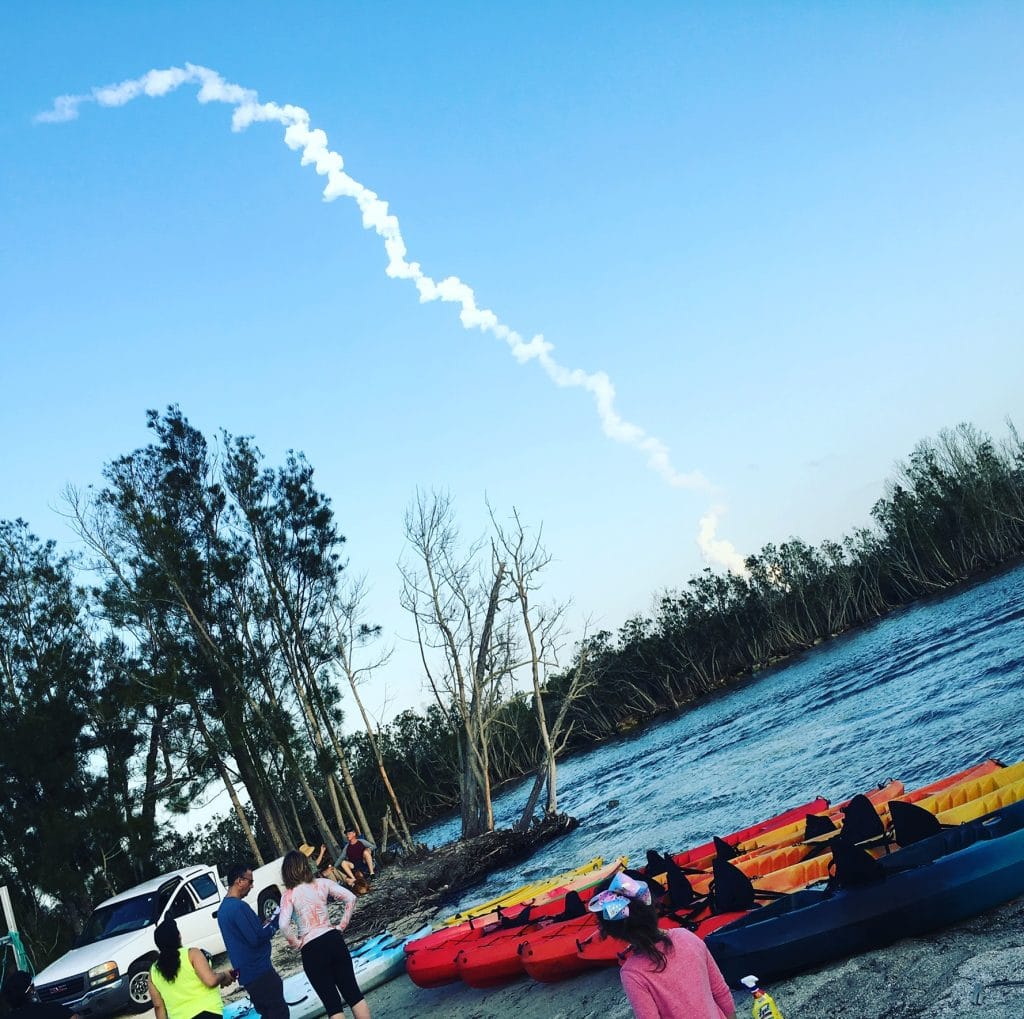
x: 193, y: 907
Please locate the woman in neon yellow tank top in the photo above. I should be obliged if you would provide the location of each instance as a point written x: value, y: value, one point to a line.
x: 181, y: 982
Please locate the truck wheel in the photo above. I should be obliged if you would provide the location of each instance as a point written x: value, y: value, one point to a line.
x: 269, y: 900
x: 138, y: 985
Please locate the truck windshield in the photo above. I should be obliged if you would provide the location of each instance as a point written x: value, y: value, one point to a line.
x: 120, y: 918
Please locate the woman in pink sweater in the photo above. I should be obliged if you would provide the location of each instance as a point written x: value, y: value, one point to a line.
x: 325, y: 956
x: 668, y: 974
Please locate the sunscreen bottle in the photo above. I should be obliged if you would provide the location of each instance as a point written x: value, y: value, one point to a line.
x: 764, y: 1004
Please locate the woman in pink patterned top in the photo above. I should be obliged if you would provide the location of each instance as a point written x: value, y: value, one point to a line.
x: 668, y: 974
x: 325, y: 956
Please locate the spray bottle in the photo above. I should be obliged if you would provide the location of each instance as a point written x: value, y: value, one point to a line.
x: 764, y: 1004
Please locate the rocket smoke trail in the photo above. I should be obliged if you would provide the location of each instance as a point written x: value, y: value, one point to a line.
x: 312, y: 142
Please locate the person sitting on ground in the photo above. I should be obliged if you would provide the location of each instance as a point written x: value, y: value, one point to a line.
x: 358, y: 857
x: 18, y: 995
x: 668, y: 974
x: 182, y: 984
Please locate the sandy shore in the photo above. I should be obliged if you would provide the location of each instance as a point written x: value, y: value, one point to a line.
x: 972, y: 971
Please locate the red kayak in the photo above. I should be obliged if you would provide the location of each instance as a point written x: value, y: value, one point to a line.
x: 444, y: 962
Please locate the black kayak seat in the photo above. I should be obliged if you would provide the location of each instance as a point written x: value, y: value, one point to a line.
x: 911, y: 823
x: 861, y: 821
x: 680, y: 891
x: 519, y: 919
x: 723, y: 851
x: 731, y: 889
x: 817, y: 824
x: 574, y: 907
x: 853, y: 866
x: 657, y: 864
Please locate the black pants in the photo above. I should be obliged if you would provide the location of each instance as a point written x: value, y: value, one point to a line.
x: 266, y: 992
x: 329, y: 968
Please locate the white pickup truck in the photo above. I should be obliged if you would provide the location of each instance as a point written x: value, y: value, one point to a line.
x: 107, y: 970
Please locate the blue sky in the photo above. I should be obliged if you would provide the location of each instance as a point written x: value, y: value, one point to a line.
x: 788, y: 233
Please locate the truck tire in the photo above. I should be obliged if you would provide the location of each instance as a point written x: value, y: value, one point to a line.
x: 137, y: 980
x: 269, y: 900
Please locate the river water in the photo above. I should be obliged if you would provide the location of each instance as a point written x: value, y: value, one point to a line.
x: 927, y: 691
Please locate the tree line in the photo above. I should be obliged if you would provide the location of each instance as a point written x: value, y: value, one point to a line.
x: 218, y: 638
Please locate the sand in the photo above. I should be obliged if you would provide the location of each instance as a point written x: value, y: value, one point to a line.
x: 972, y: 970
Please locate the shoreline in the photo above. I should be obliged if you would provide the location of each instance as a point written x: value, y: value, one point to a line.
x: 974, y: 970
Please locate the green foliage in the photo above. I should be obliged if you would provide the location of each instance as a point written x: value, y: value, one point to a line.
x: 208, y: 654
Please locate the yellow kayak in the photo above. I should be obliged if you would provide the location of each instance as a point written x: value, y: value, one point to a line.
x: 521, y: 894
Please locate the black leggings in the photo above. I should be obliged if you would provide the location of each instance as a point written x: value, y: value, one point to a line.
x: 329, y: 968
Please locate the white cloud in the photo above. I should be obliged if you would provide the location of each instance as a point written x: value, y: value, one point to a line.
x: 717, y: 551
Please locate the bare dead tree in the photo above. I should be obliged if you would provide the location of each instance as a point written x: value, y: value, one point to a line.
x: 467, y: 645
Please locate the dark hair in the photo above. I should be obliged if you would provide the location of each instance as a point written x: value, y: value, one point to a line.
x: 640, y: 929
x: 237, y: 870
x: 16, y: 987
x: 168, y: 942
x: 295, y: 869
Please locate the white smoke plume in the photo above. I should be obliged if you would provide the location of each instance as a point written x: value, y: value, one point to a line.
x: 312, y: 142
x: 718, y: 551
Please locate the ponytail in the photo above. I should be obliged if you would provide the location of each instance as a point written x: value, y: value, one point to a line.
x: 168, y: 943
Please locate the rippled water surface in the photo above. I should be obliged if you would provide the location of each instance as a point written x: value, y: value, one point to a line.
x: 927, y: 691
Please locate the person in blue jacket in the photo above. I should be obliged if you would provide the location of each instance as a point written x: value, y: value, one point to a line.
x: 248, y: 943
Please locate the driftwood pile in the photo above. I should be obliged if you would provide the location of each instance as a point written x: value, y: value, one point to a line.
x: 407, y: 894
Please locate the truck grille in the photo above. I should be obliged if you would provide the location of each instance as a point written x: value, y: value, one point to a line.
x: 72, y: 987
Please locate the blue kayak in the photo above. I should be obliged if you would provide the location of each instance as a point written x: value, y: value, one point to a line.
x: 947, y: 877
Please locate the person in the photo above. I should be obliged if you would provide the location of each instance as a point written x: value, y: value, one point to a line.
x: 18, y: 995
x: 668, y: 974
x: 325, y: 956
x: 358, y: 857
x: 182, y: 984
x: 248, y: 945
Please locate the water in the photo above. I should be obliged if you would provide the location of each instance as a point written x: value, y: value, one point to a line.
x: 923, y: 693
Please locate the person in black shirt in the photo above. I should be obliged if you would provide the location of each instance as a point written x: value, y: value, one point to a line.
x: 17, y: 992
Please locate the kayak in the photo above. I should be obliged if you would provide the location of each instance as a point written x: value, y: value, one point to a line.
x: 955, y: 874
x: 781, y: 861
x: 792, y: 833
x: 375, y: 961
x: 574, y: 880
x: 547, y: 959
x: 434, y: 960
x: 530, y: 891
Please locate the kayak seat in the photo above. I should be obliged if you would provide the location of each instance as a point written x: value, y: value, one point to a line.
x: 853, y: 866
x: 656, y: 863
x: 519, y: 919
x: 912, y: 823
x: 928, y: 850
x: 680, y: 891
x: 574, y: 908
x: 817, y: 824
x: 731, y: 890
x: 723, y: 851
x: 861, y: 821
